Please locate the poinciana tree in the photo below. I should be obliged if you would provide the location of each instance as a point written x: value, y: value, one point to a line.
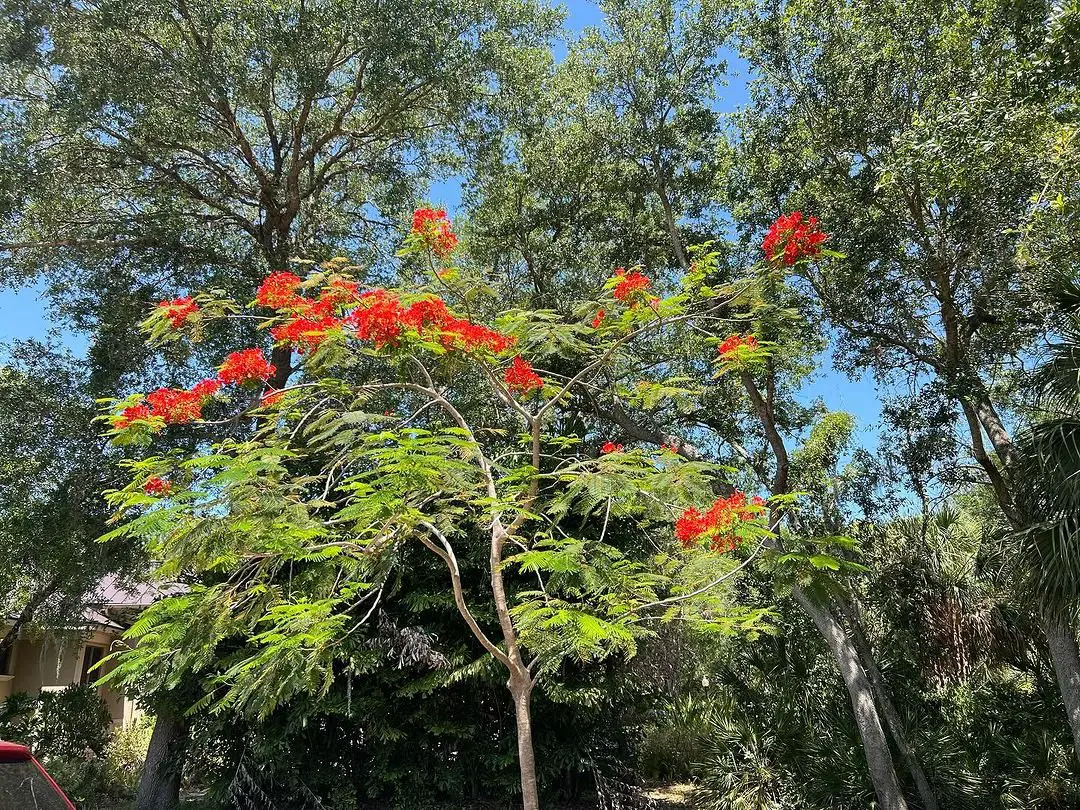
x: 413, y: 422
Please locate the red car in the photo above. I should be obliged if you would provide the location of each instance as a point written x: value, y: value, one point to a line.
x: 24, y: 784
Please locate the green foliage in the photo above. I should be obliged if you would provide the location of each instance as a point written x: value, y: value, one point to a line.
x: 68, y: 724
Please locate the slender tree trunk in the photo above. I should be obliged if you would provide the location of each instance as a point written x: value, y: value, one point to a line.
x: 1065, y: 655
x: 159, y: 786
x: 875, y: 744
x: 521, y: 688
x: 888, y: 709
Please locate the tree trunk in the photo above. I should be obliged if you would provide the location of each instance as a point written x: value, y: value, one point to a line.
x: 888, y: 709
x: 1065, y: 656
x: 875, y: 744
x: 521, y: 688
x: 159, y: 786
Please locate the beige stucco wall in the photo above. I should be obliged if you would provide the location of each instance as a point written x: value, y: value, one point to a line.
x: 57, y: 663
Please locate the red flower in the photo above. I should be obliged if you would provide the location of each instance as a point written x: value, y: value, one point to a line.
x: 206, y: 388
x: 599, y: 319
x: 629, y: 283
x: 791, y: 238
x: 611, y: 447
x: 520, y: 377
x: 433, y: 227
x: 381, y: 318
x: 278, y: 291
x: 427, y: 312
x: 271, y: 398
x: 340, y: 292
x: 178, y: 310
x: 176, y: 406
x: 729, y: 349
x: 668, y: 448
x: 718, y: 524
x: 131, y: 414
x: 157, y: 486
x: 471, y: 336
x: 245, y: 366
x: 378, y: 318
x: 305, y: 334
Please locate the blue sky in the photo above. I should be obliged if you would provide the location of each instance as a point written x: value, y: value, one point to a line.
x: 23, y: 312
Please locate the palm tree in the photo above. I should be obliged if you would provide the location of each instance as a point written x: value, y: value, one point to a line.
x: 1048, y: 493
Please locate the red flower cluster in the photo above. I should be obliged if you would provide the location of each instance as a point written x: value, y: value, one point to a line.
x: 732, y: 343
x: 278, y: 291
x: 629, y: 283
x: 340, y: 292
x: 599, y: 319
x: 378, y: 318
x: 157, y: 486
x: 178, y: 310
x: 131, y: 414
x: 174, y: 406
x: 520, y: 377
x: 306, y: 334
x: 431, y: 225
x: 381, y: 318
x: 376, y: 315
x: 177, y: 406
x: 245, y: 366
x: 717, y: 524
x: 792, y: 238
x: 611, y: 447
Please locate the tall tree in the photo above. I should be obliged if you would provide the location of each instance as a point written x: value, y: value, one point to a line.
x: 199, y: 144
x: 52, y: 475
x: 306, y: 511
x: 911, y: 129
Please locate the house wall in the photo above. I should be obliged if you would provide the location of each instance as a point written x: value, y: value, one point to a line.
x: 48, y: 664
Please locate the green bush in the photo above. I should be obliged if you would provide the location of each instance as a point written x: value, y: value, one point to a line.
x: 125, y: 755
x: 69, y: 731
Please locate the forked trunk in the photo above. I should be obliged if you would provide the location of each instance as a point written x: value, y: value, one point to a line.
x: 1065, y: 656
x: 888, y: 709
x: 159, y: 786
x: 521, y: 689
x: 875, y: 744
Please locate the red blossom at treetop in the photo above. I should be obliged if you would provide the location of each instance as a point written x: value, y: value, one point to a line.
x: 176, y: 406
x: 732, y: 343
x: 178, y: 310
x: 791, y: 238
x: 381, y: 318
x: 611, y: 447
x: 520, y: 377
x: 247, y: 365
x: 131, y: 414
x: 431, y: 225
x: 206, y: 388
x: 378, y: 318
x: 157, y: 486
x: 305, y: 334
x: 340, y: 292
x: 278, y: 291
x: 717, y: 524
x: 629, y: 283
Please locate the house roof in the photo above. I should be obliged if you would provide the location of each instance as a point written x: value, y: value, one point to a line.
x: 112, y: 592
x: 115, y: 602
